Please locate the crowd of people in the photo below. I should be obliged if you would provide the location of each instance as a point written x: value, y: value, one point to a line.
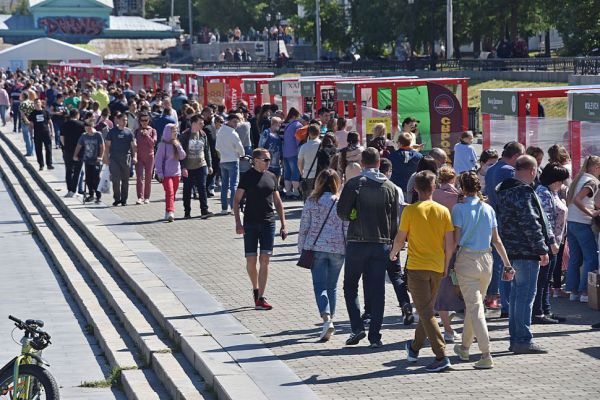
x: 489, y: 231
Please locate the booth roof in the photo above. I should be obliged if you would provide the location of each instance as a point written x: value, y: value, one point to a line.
x: 35, y: 3
x: 48, y: 43
x: 542, y: 89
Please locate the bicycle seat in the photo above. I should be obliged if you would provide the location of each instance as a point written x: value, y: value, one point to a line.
x: 38, y: 322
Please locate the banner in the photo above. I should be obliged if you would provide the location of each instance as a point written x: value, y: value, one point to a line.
x: 216, y: 92
x: 414, y: 102
x: 445, y: 114
x: 371, y: 122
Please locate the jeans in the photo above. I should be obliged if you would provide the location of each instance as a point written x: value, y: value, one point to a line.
x: 170, y: 184
x: 56, y: 133
x: 541, y: 303
x: 369, y: 260
x: 473, y: 270
x: 43, y: 139
x: 27, y: 140
x: 423, y: 286
x: 16, y: 120
x: 92, y: 179
x: 522, y: 294
x: 497, y: 285
x: 582, y: 250
x: 556, y: 274
x: 256, y: 234
x: 196, y: 178
x: 290, y: 169
x: 72, y: 170
x: 325, y: 273
x: 119, y: 176
x: 394, y: 272
x: 143, y: 175
x: 3, y: 109
x: 229, y: 181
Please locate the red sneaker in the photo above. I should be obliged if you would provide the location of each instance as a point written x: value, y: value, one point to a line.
x: 261, y: 304
x: 492, y: 304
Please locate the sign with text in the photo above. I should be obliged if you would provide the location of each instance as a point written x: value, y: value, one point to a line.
x: 371, y: 122
x: 275, y: 87
x: 345, y: 91
x: 307, y: 89
x: 499, y: 102
x: 585, y: 107
x: 291, y: 89
x: 250, y: 87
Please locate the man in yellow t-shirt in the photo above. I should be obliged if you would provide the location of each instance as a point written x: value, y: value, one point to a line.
x: 428, y: 227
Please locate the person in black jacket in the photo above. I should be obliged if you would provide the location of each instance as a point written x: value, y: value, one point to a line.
x: 528, y: 238
x: 370, y: 202
x: 196, y: 165
x: 70, y: 133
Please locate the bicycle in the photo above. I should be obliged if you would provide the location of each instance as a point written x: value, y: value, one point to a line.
x: 25, y: 377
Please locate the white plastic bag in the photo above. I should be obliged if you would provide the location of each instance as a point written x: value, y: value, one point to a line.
x: 104, y: 184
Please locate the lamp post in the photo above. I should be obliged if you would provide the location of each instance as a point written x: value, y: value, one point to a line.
x: 268, y: 18
x: 318, y: 26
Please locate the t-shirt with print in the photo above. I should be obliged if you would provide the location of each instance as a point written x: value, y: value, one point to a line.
x: 40, y: 120
x: 476, y: 221
x: 426, y: 223
x: 259, y: 188
x: 26, y: 108
x: 120, y: 142
x: 575, y: 214
x: 195, y: 151
x: 90, y: 145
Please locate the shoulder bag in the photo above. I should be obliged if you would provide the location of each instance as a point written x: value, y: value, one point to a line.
x: 307, y: 257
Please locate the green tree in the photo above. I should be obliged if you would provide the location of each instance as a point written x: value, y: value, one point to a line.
x: 335, y: 32
x: 578, y: 23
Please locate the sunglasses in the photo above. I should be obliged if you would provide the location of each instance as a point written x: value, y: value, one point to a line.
x: 144, y: 120
x: 264, y: 159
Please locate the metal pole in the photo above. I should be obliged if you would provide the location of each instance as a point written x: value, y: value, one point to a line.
x: 191, y: 21
x: 449, y: 30
x: 172, y: 8
x: 318, y: 25
x: 432, y: 54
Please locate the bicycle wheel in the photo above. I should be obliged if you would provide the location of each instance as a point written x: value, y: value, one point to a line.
x: 34, y: 383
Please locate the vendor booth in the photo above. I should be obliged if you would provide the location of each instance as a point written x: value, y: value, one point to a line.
x: 584, y: 125
x: 439, y: 104
x: 225, y: 87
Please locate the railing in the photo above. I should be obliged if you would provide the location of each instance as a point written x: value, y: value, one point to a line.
x: 576, y: 65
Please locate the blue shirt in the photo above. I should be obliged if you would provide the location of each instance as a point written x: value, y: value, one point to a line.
x: 465, y: 158
x: 495, y: 175
x: 476, y: 221
x: 404, y: 164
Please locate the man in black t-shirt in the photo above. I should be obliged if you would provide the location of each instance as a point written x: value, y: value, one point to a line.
x: 41, y: 126
x: 59, y: 115
x: 70, y: 133
x: 259, y: 186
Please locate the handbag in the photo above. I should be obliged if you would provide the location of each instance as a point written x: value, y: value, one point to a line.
x: 307, y: 257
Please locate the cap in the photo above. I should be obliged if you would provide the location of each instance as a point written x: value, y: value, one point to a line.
x: 408, y: 120
x: 306, y: 117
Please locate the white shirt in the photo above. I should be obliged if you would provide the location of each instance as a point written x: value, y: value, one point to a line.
x: 575, y: 214
x: 307, y: 153
x: 229, y: 144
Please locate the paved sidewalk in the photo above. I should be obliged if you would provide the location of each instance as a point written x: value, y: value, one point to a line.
x: 32, y: 288
x: 212, y: 254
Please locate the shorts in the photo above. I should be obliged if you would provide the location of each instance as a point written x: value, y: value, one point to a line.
x: 255, y: 233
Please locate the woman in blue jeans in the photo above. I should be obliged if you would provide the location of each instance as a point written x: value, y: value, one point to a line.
x: 322, y: 231
x: 582, y: 244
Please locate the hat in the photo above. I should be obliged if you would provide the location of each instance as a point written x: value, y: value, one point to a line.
x: 306, y: 117
x: 408, y: 120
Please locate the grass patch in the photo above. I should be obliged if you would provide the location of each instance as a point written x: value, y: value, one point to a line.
x: 111, y: 380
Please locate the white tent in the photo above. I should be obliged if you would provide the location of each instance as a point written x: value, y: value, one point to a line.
x: 46, y: 50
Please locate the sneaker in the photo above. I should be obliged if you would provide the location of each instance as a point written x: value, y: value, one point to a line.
x: 439, y: 365
x: 543, y: 320
x: 484, y: 363
x: 139, y: 201
x: 573, y: 297
x: 462, y: 354
x: 532, y: 348
x: 557, y: 317
x: 171, y: 217
x: 116, y: 203
x: 69, y: 195
x: 206, y: 214
x: 596, y: 325
x: 146, y: 201
x: 451, y: 337
x: 376, y: 345
x: 411, y: 355
x: 50, y: 167
x: 210, y: 194
x: 41, y: 168
x: 224, y: 212
x: 354, y: 338
x: 583, y: 298
x: 366, y: 318
x: 261, y: 304
x: 409, y: 318
x: 255, y: 294
x: 503, y: 314
x: 88, y: 199
x: 327, y: 331
x: 97, y: 200
x: 124, y: 203
x: 187, y: 215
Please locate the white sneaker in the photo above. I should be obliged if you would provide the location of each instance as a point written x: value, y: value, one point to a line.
x: 327, y: 331
x: 69, y: 195
x: 583, y: 299
x: 171, y: 217
x: 147, y: 201
x: 224, y: 212
x: 573, y: 297
x: 451, y: 337
x: 139, y: 201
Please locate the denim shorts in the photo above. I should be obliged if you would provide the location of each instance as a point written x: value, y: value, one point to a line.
x: 255, y: 233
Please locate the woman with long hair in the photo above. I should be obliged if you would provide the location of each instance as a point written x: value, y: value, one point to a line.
x: 168, y: 168
x: 426, y: 163
x: 291, y: 173
x: 475, y: 230
x: 582, y: 243
x: 322, y: 231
